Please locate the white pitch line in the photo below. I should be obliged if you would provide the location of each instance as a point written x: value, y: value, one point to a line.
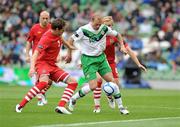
x: 158, y: 107
x: 107, y: 122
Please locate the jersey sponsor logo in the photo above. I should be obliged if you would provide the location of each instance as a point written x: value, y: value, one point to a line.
x: 95, y: 37
x: 40, y: 46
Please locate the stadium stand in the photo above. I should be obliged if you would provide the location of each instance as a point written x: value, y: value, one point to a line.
x: 151, y: 28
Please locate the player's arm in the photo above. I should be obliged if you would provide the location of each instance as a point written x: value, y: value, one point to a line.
x: 29, y: 43
x: 75, y: 37
x: 135, y: 59
x: 119, y: 38
x: 69, y: 44
x: 122, y: 47
x: 28, y: 48
x: 33, y: 62
x: 42, y: 45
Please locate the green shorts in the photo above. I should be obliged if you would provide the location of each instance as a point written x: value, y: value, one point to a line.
x: 93, y: 64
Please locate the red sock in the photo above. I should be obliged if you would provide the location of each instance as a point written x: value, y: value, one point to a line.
x: 97, y: 94
x: 46, y: 88
x: 32, y: 93
x: 99, y: 83
x: 68, y: 92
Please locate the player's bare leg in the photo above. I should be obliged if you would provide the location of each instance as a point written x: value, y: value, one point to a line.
x: 81, y: 93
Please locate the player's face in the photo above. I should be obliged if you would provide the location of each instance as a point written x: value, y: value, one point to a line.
x: 96, y: 23
x: 44, y: 19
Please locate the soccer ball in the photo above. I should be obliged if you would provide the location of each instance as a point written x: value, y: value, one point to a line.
x: 109, y: 88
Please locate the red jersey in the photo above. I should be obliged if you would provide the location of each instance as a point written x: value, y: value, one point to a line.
x: 36, y: 33
x: 49, y: 48
x: 110, y: 48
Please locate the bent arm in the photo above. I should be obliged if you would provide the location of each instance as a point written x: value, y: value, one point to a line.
x: 69, y: 51
x: 69, y: 44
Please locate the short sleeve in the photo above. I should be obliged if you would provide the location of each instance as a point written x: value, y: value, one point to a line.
x: 115, y: 40
x: 77, y: 35
x: 30, y: 35
x: 112, y: 32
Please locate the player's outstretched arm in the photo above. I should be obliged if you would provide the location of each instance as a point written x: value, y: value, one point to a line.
x: 122, y: 47
x: 33, y: 61
x: 135, y: 59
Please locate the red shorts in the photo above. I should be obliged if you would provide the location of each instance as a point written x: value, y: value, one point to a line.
x: 114, y: 70
x: 55, y: 73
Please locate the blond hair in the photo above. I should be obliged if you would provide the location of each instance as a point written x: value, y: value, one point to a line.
x: 108, y: 20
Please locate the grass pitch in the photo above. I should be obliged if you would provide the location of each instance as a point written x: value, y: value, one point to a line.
x: 148, y: 108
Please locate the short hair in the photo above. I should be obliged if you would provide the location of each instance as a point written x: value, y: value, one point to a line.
x: 96, y: 16
x: 58, y: 23
x: 107, y: 19
x: 44, y: 12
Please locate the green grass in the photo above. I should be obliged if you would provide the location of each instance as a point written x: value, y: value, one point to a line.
x: 143, y: 104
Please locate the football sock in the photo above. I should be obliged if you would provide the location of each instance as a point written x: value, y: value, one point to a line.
x: 68, y: 92
x: 82, y: 92
x: 32, y: 93
x: 44, y: 90
x: 97, y: 94
x: 117, y: 96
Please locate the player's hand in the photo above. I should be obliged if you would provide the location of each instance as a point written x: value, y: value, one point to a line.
x: 68, y: 59
x: 31, y: 72
x: 142, y: 67
x: 28, y: 59
x: 123, y: 49
x: 79, y: 66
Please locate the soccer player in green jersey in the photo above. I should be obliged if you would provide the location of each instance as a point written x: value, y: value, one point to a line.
x: 92, y: 40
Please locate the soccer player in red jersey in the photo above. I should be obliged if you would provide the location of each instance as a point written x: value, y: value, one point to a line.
x: 36, y: 33
x: 43, y: 63
x: 111, y: 41
x: 34, y: 37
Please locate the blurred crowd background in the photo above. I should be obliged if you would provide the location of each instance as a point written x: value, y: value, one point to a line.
x: 150, y: 27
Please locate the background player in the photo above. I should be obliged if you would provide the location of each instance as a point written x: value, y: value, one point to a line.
x: 111, y: 41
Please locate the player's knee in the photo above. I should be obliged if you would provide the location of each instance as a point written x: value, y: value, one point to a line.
x: 93, y: 86
x: 71, y: 80
x: 50, y: 82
